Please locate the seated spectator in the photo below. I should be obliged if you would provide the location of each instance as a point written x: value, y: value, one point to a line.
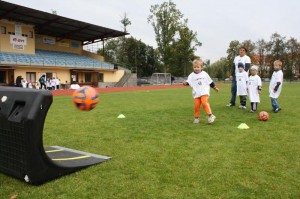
x: 37, y: 85
x: 29, y: 84
x: 74, y: 86
x: 24, y: 83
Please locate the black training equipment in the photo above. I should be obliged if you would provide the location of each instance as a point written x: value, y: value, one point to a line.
x: 22, y: 154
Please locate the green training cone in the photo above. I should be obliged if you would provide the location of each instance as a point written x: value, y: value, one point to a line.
x: 243, y: 126
x: 121, y: 116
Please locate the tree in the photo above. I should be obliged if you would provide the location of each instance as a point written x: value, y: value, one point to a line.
x: 218, y: 69
x: 276, y: 50
x: 54, y: 12
x: 264, y: 53
x: 125, y: 22
x: 183, y: 51
x: 176, y: 42
x: 292, y: 58
x: 166, y: 20
x: 111, y: 51
x: 136, y: 54
x: 261, y: 52
x: 232, y: 51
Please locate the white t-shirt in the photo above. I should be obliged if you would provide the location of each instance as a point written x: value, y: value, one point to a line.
x: 254, y: 82
x: 24, y: 84
x: 241, y: 83
x: 37, y: 85
x: 57, y: 82
x: 200, y: 83
x: 277, y: 76
x: 47, y: 83
x: 238, y: 59
x: 52, y: 82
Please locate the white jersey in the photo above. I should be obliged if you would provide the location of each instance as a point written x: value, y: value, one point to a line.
x: 241, y: 83
x: 254, y: 82
x: 37, y: 85
x: 238, y: 59
x: 52, y: 82
x: 277, y: 76
x: 200, y: 82
x: 47, y: 83
x: 24, y: 84
x: 57, y: 83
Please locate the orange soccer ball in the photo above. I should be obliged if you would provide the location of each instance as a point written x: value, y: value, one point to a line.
x: 263, y: 116
x: 85, y: 98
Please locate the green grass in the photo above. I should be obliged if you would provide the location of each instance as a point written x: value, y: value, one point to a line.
x: 157, y: 151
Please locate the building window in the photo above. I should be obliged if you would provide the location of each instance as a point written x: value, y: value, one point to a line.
x: 50, y: 75
x: 30, y: 34
x: 100, y: 77
x: 31, y: 76
x: 2, y: 76
x: 3, y: 30
x: 88, y: 77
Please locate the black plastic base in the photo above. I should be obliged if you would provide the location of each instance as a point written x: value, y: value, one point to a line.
x: 22, y: 155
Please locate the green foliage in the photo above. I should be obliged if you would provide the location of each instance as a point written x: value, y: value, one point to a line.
x: 165, y: 19
x: 276, y: 49
x: 157, y: 151
x: 183, y: 51
x: 292, y: 59
x: 111, y: 51
x: 233, y: 50
x: 264, y: 53
x: 220, y: 69
x: 125, y: 22
x: 131, y: 53
x: 176, y: 42
x: 261, y: 46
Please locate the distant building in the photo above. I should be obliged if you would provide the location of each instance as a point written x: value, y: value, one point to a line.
x: 33, y: 43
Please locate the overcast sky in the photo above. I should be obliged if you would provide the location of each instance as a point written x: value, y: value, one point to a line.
x: 217, y: 22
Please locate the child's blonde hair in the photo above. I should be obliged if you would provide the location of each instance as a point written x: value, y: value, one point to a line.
x: 198, y: 60
x: 277, y: 62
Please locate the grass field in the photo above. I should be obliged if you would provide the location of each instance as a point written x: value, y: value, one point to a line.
x: 157, y: 151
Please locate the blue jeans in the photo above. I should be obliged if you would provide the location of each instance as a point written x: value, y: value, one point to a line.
x: 233, y: 91
x: 275, y: 104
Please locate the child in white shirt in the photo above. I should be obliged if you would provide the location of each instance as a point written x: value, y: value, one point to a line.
x: 201, y: 82
x: 254, y: 88
x: 241, y: 83
x: 53, y: 83
x: 29, y: 84
x: 276, y: 85
x: 24, y: 83
x: 37, y: 85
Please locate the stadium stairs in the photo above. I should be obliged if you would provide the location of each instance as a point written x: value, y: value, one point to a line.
x: 53, y: 58
x: 128, y: 79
